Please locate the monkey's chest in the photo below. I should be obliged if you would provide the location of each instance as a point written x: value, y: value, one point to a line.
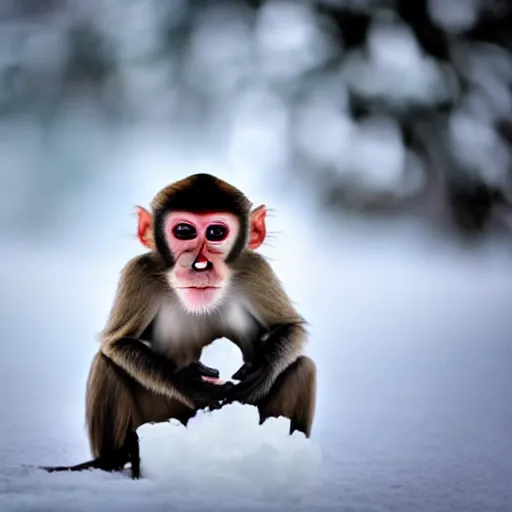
x: 182, y: 336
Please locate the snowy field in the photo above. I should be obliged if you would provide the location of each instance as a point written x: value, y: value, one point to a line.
x: 411, y: 336
x: 411, y: 339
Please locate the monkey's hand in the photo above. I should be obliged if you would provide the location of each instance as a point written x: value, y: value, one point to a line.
x: 242, y: 372
x: 253, y: 384
x: 258, y: 376
x: 191, y: 381
x: 204, y: 371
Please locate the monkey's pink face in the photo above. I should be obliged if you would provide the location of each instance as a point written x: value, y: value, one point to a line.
x: 200, y: 244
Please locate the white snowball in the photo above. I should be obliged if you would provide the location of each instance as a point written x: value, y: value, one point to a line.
x: 229, y: 452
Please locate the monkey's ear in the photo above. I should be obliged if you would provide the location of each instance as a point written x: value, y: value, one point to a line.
x: 258, y: 227
x: 145, y: 228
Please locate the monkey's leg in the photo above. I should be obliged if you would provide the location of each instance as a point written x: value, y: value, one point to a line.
x: 110, y: 415
x: 117, y: 406
x: 293, y: 396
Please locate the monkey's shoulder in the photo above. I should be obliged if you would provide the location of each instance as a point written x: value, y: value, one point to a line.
x: 252, y: 265
x: 136, y: 301
x: 141, y: 268
x: 259, y: 283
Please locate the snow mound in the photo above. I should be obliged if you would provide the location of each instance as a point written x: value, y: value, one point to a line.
x: 222, y: 459
x: 228, y: 452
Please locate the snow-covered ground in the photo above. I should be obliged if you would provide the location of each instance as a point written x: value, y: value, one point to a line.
x: 411, y: 339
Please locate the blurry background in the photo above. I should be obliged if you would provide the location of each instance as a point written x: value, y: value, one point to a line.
x: 380, y: 107
x: 379, y: 132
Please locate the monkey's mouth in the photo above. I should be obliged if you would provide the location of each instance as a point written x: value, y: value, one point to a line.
x: 198, y: 288
x: 198, y: 297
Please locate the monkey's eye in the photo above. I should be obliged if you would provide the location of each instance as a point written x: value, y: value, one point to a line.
x: 216, y: 232
x: 184, y: 231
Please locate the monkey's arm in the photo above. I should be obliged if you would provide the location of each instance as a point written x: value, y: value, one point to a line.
x: 160, y: 375
x: 136, y: 303
x: 284, y: 340
x: 280, y: 350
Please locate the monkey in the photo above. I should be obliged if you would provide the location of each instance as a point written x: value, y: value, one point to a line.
x: 200, y: 279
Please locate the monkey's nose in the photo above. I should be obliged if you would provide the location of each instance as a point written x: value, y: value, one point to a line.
x: 201, y: 264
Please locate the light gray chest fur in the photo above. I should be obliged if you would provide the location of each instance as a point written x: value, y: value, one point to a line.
x: 182, y: 336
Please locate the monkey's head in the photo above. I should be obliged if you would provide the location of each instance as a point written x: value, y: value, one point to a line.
x: 200, y: 226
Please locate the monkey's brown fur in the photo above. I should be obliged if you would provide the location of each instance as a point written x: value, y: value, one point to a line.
x: 293, y: 396
x: 131, y: 384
